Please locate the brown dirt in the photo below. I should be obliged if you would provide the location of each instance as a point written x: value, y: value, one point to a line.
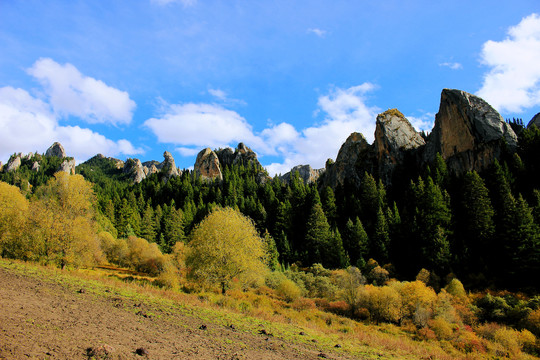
x: 44, y: 320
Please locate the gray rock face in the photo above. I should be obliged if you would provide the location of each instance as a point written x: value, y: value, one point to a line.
x: 534, y: 121
x: 306, y: 173
x: 394, y: 136
x: 134, y: 169
x: 68, y: 166
x: 468, y: 132
x: 35, y: 166
x: 242, y: 155
x: 14, y: 162
x: 207, y: 165
x: 57, y: 150
x: 354, y: 157
x: 168, y: 167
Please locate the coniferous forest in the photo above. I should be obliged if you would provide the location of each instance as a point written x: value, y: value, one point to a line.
x: 483, y: 228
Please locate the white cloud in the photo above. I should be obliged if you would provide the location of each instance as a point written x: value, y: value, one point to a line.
x: 319, y: 32
x: 220, y: 94
x: 186, y: 3
x: 185, y: 151
x: 452, y: 65
x: 423, y: 122
x: 72, y: 93
x: 28, y: 124
x: 194, y: 126
x: 513, y: 82
x: 206, y: 125
x: 346, y: 112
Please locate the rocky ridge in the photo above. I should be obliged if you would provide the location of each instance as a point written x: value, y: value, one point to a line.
x: 468, y: 133
x: 209, y: 163
x: 306, y: 173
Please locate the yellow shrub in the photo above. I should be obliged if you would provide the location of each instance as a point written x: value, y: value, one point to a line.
x: 508, y: 339
x: 441, y: 328
x: 533, y: 322
x: 288, y: 290
x: 416, y: 294
x: 383, y: 303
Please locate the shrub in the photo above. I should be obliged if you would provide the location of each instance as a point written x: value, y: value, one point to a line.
x: 509, y: 339
x: 303, y: 304
x: 288, y: 290
x: 441, y: 328
x: 274, y: 278
x: 339, y: 307
x: 378, y: 276
x: 383, y: 303
x: 532, y: 322
x: 456, y: 289
x: 169, y: 277
x: 468, y: 341
x: 416, y: 294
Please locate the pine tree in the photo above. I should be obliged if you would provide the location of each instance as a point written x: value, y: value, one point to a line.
x: 356, y: 242
x: 475, y: 223
x: 381, y: 238
x: 318, y: 235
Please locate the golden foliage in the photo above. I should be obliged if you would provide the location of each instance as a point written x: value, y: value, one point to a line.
x: 226, y: 246
x: 13, y: 210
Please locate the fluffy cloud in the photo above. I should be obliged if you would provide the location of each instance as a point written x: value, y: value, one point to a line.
x: 513, y: 83
x: 346, y: 112
x: 199, y: 125
x: 193, y: 126
x: 71, y: 93
x: 423, y: 122
x: 28, y: 124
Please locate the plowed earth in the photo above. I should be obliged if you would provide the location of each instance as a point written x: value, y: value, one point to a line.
x: 41, y: 319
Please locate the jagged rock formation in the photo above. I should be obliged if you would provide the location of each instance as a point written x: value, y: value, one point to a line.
x: 306, y: 173
x: 168, y: 167
x: 207, y: 165
x: 242, y: 155
x: 354, y: 157
x: 534, y: 121
x: 57, y: 150
x: 394, y: 136
x: 35, y: 166
x: 119, y: 164
x: 68, y: 166
x: 14, y: 162
x: 468, y: 132
x: 134, y: 169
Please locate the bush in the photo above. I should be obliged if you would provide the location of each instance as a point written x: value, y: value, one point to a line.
x: 288, y: 290
x: 442, y: 328
x: 168, y: 278
x: 532, y: 322
x: 303, y: 304
x: 383, y: 303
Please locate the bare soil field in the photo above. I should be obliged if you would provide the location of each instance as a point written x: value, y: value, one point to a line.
x: 43, y: 318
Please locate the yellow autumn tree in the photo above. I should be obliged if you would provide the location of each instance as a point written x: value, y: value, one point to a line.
x: 13, y: 213
x: 224, y: 247
x: 64, y: 219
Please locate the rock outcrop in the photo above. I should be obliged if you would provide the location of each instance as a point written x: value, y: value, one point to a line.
x: 306, y: 173
x: 207, y: 165
x: 14, y: 162
x: 68, y: 166
x: 56, y: 150
x: 35, y: 166
x: 354, y: 157
x: 534, y: 121
x: 168, y: 167
x: 242, y: 155
x: 134, y: 169
x: 468, y: 133
x: 394, y: 137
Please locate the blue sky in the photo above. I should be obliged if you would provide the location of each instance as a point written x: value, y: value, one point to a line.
x: 290, y: 79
